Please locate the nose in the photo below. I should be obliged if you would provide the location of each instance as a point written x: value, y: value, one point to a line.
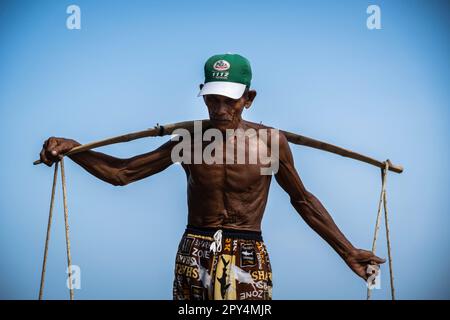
x: 220, y: 111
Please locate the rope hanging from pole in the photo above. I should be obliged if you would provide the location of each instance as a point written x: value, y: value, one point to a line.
x: 66, y: 223
x: 388, y: 241
x: 49, y: 226
x: 377, y: 227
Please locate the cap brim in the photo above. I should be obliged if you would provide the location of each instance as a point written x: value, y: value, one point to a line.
x: 232, y: 90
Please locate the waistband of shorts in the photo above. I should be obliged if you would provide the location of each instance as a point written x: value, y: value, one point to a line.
x: 226, y: 233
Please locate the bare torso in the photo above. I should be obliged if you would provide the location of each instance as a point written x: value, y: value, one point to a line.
x: 225, y: 195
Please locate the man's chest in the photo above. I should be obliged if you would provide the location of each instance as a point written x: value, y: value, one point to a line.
x: 228, y: 177
x: 235, y: 164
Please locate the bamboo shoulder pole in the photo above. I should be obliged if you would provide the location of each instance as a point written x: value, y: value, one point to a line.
x: 162, y: 130
x: 312, y: 143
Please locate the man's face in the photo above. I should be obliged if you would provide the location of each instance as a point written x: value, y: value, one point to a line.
x: 225, y: 112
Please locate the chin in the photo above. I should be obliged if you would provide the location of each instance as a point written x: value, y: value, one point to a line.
x: 222, y: 125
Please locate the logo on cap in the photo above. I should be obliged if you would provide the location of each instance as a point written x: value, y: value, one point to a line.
x: 221, y: 65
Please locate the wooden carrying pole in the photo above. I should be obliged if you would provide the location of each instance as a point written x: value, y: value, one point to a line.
x: 160, y: 130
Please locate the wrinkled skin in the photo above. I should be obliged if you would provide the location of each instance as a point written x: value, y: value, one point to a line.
x: 222, y: 195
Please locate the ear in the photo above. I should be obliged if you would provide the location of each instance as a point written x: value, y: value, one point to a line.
x: 201, y: 85
x: 251, y: 94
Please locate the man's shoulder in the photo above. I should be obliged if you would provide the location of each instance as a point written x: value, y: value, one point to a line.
x: 256, y: 126
x: 273, y: 135
x: 260, y: 126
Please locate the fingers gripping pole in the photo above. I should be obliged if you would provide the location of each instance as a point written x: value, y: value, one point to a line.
x: 49, y: 225
x: 66, y: 222
x: 377, y: 227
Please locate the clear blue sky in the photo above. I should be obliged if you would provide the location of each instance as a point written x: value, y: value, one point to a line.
x: 318, y: 71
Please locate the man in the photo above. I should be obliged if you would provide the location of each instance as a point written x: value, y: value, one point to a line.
x: 222, y: 254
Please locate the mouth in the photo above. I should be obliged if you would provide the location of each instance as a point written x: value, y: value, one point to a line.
x: 220, y: 120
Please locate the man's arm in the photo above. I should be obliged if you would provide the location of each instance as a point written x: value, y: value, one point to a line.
x: 116, y: 171
x: 316, y: 216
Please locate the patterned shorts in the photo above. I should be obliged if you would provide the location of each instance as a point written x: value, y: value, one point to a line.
x: 222, y: 264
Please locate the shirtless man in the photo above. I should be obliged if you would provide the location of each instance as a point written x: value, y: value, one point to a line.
x: 221, y: 254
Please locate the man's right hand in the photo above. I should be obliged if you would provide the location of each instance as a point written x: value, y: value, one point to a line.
x: 54, y: 147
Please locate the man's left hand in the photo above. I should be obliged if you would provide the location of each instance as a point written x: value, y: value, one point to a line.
x: 359, y: 261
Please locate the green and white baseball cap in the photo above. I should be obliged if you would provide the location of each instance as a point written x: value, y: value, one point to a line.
x: 226, y: 75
